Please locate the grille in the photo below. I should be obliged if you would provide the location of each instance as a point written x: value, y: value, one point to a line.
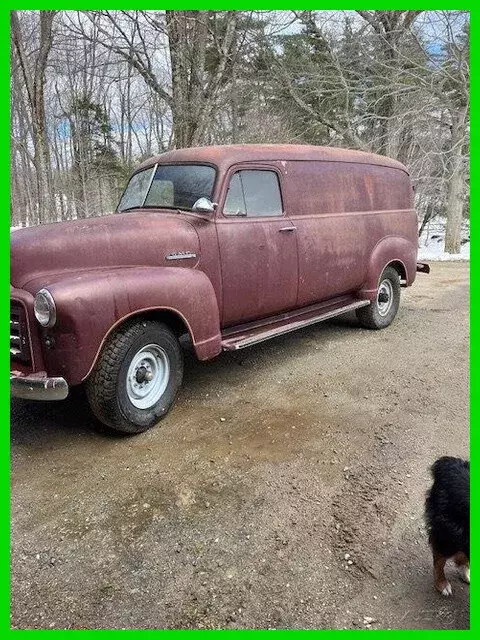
x: 19, y: 347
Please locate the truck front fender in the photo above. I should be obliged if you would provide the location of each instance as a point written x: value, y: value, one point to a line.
x: 90, y: 305
x: 395, y: 250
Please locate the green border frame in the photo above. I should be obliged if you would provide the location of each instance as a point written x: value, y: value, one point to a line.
x: 4, y: 300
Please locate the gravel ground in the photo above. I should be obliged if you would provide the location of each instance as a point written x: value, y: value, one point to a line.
x: 284, y: 490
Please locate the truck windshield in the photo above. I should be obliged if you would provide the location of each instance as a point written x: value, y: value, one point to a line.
x: 172, y: 186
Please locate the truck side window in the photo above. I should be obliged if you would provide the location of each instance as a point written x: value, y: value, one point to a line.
x: 254, y: 193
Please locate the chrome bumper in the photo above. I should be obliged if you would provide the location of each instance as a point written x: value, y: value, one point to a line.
x: 35, y: 388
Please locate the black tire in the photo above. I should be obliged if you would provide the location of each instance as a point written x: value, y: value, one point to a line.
x: 110, y: 386
x: 379, y: 314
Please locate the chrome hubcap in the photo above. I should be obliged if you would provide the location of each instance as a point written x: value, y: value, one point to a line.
x: 148, y: 376
x: 384, y: 297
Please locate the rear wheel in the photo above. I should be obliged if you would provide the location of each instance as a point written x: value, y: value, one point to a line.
x: 381, y: 311
x: 137, y: 376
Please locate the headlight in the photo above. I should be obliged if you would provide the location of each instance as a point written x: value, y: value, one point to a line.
x: 44, y: 308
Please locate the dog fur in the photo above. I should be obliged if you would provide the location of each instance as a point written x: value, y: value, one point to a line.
x: 447, y: 513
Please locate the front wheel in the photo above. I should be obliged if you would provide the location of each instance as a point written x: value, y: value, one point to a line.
x: 381, y: 311
x: 137, y: 376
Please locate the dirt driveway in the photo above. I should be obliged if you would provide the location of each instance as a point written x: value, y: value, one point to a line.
x: 285, y: 489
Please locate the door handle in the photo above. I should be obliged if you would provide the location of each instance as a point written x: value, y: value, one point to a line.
x: 285, y: 229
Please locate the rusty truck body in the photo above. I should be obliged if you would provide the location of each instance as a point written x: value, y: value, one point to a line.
x: 231, y: 245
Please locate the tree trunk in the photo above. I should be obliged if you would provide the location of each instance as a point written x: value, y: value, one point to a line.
x: 192, y: 103
x: 177, y: 39
x: 45, y: 204
x: 455, y: 185
x: 389, y: 124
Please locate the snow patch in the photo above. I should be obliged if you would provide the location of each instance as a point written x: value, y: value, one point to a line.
x: 431, y: 244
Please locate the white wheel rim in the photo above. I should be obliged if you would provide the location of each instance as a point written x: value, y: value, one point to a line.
x: 384, y: 297
x: 148, y: 376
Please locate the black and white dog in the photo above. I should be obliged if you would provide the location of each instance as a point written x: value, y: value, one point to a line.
x: 447, y: 512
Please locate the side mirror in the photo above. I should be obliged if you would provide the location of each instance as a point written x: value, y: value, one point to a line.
x: 205, y: 205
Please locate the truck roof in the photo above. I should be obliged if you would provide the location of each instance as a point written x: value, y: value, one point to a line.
x: 226, y: 155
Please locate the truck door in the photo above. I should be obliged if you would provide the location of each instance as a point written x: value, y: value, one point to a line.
x: 258, y: 246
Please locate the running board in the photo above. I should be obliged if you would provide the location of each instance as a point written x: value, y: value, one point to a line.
x: 251, y: 333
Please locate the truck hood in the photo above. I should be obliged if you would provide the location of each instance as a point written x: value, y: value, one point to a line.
x: 46, y: 252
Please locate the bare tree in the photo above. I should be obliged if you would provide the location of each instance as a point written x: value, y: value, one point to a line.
x: 391, y: 28
x: 456, y: 90
x: 94, y: 92
x: 32, y: 63
x: 201, y: 47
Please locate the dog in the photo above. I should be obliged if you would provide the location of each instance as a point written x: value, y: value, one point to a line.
x: 447, y: 514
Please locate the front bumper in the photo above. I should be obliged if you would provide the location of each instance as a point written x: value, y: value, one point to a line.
x: 38, y: 388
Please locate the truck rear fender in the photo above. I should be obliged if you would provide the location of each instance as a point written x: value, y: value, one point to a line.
x: 399, y: 252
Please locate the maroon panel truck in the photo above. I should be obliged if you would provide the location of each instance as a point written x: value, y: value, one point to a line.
x: 231, y: 245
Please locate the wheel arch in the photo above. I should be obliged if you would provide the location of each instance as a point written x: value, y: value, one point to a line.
x: 392, y: 251
x: 172, y: 318
x: 400, y: 268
